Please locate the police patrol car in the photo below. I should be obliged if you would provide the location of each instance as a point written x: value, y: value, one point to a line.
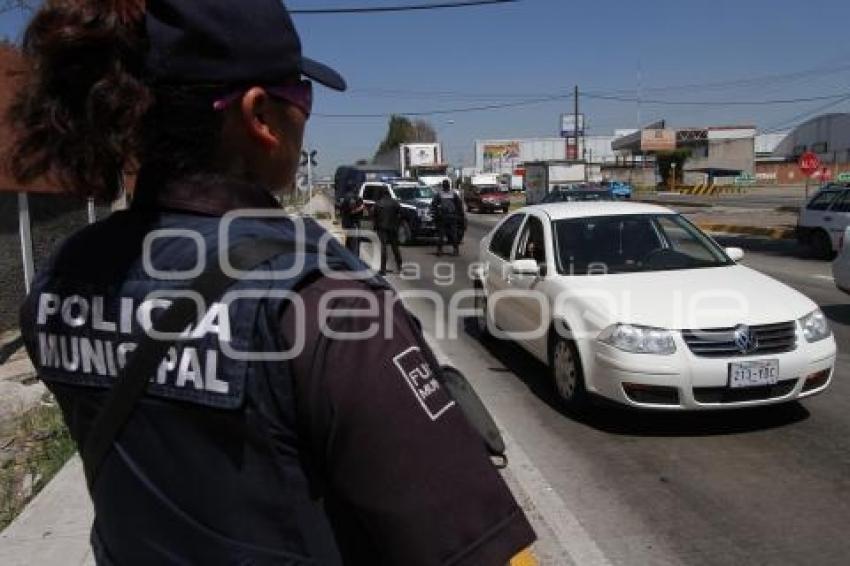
x: 415, y: 199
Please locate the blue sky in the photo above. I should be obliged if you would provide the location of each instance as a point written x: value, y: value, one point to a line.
x: 421, y: 61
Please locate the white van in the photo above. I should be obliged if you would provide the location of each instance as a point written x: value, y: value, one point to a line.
x: 824, y: 219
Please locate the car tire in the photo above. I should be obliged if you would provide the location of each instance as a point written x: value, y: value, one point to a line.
x: 482, y: 324
x: 505, y: 209
x: 821, y: 245
x: 405, y: 234
x: 468, y: 208
x: 566, y: 371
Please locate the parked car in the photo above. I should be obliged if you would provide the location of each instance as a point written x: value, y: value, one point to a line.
x: 487, y: 198
x: 634, y: 303
x: 841, y: 265
x: 620, y: 190
x: 415, y: 199
x: 823, y: 220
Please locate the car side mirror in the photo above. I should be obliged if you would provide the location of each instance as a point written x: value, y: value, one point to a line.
x: 525, y: 267
x: 735, y: 254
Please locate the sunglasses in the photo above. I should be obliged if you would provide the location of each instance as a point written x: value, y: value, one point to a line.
x: 299, y: 95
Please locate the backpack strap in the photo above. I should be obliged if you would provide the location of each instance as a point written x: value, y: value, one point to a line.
x: 133, y: 379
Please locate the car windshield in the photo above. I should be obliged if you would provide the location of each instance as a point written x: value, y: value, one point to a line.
x: 632, y: 243
x: 576, y: 196
x: 411, y: 193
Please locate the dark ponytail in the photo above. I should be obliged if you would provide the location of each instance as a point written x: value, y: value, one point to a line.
x: 79, y: 115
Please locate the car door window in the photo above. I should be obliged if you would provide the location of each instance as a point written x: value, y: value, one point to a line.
x: 822, y: 200
x: 842, y: 203
x: 532, y: 242
x: 370, y: 192
x: 503, y: 240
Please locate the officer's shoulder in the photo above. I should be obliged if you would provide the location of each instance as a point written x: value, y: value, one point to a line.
x: 341, y: 285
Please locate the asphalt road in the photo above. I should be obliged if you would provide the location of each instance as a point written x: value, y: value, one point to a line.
x: 765, y: 486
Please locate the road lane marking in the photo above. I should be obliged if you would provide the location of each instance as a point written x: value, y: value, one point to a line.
x: 570, y: 536
x: 825, y: 277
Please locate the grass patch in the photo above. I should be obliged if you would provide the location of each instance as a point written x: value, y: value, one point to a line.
x: 34, y: 451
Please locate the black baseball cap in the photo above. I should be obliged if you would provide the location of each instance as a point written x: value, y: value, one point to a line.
x: 227, y: 41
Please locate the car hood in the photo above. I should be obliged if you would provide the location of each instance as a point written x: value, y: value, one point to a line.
x: 720, y: 297
x: 417, y: 202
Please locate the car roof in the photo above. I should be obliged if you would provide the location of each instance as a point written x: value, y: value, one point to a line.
x: 583, y: 209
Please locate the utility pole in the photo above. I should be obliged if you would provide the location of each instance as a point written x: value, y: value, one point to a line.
x: 577, y: 138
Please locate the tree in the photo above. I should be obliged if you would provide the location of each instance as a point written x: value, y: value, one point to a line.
x: 399, y: 131
x: 666, y: 161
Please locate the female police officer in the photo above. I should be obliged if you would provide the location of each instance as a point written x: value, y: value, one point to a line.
x: 219, y: 459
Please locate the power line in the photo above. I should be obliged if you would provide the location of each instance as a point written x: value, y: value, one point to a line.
x: 713, y: 102
x: 453, y: 110
x: 755, y: 81
x: 552, y: 98
x: 799, y: 118
x: 400, y: 8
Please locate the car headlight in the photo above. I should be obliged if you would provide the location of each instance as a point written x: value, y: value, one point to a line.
x: 815, y: 326
x: 639, y: 339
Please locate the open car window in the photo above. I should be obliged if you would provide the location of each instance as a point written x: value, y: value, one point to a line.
x: 503, y: 240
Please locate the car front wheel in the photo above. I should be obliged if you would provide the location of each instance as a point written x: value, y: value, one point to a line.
x: 822, y: 245
x: 481, y: 322
x: 567, y: 373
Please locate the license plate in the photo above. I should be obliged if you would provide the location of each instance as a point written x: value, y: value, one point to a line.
x: 753, y: 374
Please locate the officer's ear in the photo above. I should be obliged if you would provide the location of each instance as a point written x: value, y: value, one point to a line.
x: 259, y: 114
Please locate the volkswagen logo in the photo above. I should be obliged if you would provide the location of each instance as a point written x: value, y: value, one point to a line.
x: 745, y: 339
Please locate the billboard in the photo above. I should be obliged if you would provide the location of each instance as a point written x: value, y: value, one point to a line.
x: 422, y: 154
x: 498, y: 155
x: 658, y: 140
x: 568, y: 125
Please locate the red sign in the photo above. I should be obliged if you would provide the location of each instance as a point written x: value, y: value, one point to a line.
x: 809, y: 163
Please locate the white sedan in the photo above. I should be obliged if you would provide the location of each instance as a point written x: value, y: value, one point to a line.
x: 632, y: 302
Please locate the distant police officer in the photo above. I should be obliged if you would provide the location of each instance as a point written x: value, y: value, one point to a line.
x: 351, y: 213
x: 228, y: 445
x: 447, y: 209
x: 387, y: 214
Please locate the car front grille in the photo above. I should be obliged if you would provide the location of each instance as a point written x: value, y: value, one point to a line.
x: 727, y: 395
x: 720, y: 342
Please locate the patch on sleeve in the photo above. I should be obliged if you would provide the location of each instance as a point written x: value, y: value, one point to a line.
x: 432, y: 396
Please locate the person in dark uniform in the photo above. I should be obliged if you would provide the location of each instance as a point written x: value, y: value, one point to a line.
x: 259, y: 437
x: 351, y: 213
x: 447, y: 209
x: 387, y: 220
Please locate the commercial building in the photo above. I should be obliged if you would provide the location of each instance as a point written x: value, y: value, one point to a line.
x: 827, y: 136
x: 714, y: 154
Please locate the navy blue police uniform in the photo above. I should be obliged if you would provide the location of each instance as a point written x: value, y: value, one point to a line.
x: 225, y: 456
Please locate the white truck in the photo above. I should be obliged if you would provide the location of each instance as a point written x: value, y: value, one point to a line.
x: 424, y: 162
x: 543, y: 176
